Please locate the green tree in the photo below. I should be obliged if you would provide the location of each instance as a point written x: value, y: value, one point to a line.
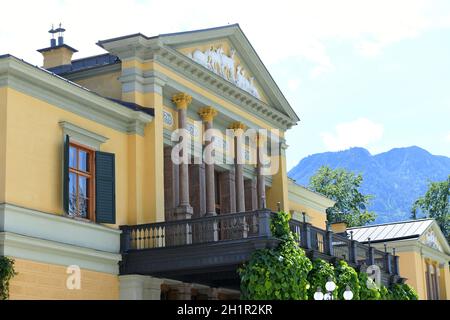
x: 343, y: 186
x: 435, y: 204
x: 279, y: 273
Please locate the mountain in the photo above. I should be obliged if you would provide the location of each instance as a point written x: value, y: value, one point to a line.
x: 396, y: 178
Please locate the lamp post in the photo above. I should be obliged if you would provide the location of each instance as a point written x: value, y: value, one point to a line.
x: 348, y: 294
x: 330, y: 286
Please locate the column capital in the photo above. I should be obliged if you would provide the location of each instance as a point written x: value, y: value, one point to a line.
x: 207, y: 113
x: 237, y: 125
x: 182, y: 100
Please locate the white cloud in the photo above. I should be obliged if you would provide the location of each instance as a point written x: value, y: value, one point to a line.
x: 293, y: 84
x: 448, y: 137
x: 278, y: 30
x: 359, y: 133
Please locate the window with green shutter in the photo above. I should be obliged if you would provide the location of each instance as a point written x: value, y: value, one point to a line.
x: 105, y: 185
x: 89, y: 183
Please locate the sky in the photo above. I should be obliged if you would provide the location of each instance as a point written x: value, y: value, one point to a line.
x: 372, y: 74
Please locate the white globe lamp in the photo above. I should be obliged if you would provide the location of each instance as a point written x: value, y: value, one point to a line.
x: 348, y: 294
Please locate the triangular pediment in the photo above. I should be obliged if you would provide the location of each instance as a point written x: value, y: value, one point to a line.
x: 222, y: 58
x: 434, y: 238
x: 227, y: 52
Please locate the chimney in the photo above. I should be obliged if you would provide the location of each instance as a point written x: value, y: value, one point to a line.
x: 339, y: 227
x: 58, y: 54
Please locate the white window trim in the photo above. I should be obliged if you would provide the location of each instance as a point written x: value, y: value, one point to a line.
x: 82, y: 136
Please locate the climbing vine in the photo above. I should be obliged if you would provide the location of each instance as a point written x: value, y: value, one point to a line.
x: 403, y: 292
x: 368, y: 288
x: 319, y: 275
x: 279, y: 273
x: 286, y: 273
x: 6, y: 274
x: 346, y: 276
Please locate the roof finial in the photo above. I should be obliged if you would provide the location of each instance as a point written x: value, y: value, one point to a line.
x: 52, y: 31
x: 60, y: 31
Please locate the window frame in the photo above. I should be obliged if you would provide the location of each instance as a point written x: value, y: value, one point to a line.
x: 90, y: 215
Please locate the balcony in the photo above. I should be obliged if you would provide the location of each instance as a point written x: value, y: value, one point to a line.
x: 208, y: 250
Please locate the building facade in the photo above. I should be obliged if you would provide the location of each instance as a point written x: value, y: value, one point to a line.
x: 92, y: 205
x: 423, y: 250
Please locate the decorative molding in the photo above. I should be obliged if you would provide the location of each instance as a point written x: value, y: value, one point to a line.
x: 141, y: 47
x: 168, y: 118
x: 57, y: 228
x: 45, y: 251
x: 310, y: 199
x: 217, y: 61
x: 182, y: 100
x: 83, y: 136
x: 207, y: 113
x: 193, y: 130
x: 62, y: 93
x: 430, y: 239
x: 223, y: 88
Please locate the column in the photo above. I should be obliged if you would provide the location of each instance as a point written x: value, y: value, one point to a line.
x: 251, y: 195
x: 239, y: 128
x: 184, y: 209
x: 171, y: 186
x: 261, y: 182
x: 139, y: 287
x: 197, y: 189
x: 207, y: 114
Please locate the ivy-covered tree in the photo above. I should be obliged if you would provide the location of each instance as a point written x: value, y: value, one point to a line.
x: 435, y: 204
x: 346, y: 276
x: 321, y: 272
x: 368, y: 288
x: 403, y: 292
x: 279, y: 273
x: 343, y: 186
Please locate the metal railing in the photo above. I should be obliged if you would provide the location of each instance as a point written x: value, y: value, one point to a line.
x: 238, y: 226
x: 195, y: 231
x: 341, y: 247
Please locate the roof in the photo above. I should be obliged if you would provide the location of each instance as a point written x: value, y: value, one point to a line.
x: 134, y: 106
x: 391, y: 231
x: 86, y: 63
x: 128, y: 105
x: 57, y: 47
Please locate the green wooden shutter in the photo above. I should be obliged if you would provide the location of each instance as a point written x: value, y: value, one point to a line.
x: 105, y: 187
x: 66, y: 176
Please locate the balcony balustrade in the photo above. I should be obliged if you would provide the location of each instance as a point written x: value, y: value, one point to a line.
x: 216, y: 245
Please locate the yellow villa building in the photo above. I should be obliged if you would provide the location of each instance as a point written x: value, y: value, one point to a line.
x: 92, y: 205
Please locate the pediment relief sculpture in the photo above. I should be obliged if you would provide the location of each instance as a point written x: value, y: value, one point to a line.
x: 429, y: 239
x: 225, y: 66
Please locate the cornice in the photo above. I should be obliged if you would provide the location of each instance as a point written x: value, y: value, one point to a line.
x: 69, y: 96
x: 217, y: 85
x: 308, y: 198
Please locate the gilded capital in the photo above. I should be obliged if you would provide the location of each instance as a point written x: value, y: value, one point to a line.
x: 207, y: 113
x: 182, y: 100
x: 237, y: 125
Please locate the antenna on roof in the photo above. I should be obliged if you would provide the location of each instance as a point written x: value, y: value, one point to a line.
x: 52, y: 40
